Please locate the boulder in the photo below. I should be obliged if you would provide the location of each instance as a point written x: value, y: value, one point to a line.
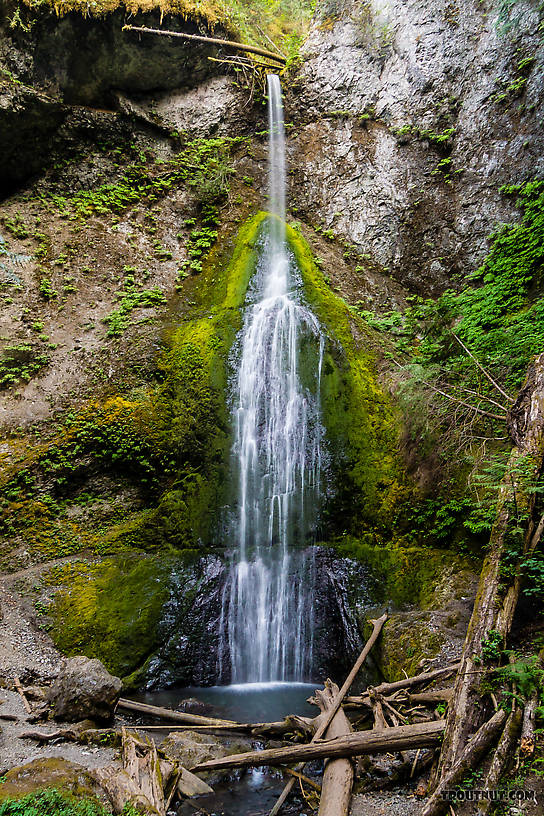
x: 49, y: 772
x: 84, y: 689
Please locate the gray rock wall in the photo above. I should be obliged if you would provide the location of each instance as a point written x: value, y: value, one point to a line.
x: 377, y: 74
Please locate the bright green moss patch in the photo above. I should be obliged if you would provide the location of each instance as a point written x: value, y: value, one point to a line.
x: 192, y: 403
x: 362, y: 425
x: 111, y: 611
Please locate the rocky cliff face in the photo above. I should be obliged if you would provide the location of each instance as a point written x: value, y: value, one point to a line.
x: 406, y: 119
x: 412, y: 116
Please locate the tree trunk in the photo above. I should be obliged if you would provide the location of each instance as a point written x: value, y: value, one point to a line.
x: 494, y: 608
x: 338, y: 776
x: 174, y: 716
x: 424, y: 735
x: 469, y: 759
x: 527, y: 742
x: 502, y: 756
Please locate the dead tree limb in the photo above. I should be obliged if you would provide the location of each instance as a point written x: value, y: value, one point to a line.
x: 19, y: 689
x: 338, y: 776
x: 494, y: 608
x: 175, y: 716
x: 483, y: 370
x: 378, y: 626
x: 432, y: 697
x: 425, y: 735
x: 407, y: 682
x: 249, y: 49
x: 469, y: 759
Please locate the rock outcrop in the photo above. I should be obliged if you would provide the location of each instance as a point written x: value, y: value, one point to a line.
x: 82, y: 690
x: 412, y: 115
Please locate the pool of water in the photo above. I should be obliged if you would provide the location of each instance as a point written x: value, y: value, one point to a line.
x: 249, y: 702
x: 255, y: 791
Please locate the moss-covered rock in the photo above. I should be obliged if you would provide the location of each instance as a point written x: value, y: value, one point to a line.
x: 429, y: 593
x: 144, y: 617
x: 363, y: 425
x: 111, y: 611
x: 49, y: 772
x: 413, y: 576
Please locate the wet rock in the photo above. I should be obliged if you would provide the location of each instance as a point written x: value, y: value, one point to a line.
x: 84, y: 690
x: 190, y: 748
x: 193, y: 706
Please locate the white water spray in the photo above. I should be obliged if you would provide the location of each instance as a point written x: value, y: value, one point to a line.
x: 268, y: 602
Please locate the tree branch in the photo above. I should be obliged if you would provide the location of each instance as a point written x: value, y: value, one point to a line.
x: 250, y: 49
x: 482, y: 369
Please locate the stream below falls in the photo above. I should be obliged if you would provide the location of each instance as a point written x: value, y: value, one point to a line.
x: 254, y: 792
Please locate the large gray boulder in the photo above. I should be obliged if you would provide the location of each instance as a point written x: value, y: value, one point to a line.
x: 84, y: 689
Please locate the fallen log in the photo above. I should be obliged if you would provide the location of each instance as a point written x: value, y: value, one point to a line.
x: 174, y: 716
x: 431, y: 697
x: 338, y: 775
x: 249, y: 49
x: 425, y: 735
x: 378, y: 626
x: 475, y: 749
x: 407, y: 682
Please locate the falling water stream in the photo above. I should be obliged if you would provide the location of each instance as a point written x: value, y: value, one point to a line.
x: 277, y: 456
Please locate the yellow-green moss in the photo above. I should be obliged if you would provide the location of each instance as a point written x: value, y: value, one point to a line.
x: 405, y: 642
x: 111, y: 611
x: 282, y: 20
x: 363, y: 426
x: 410, y: 575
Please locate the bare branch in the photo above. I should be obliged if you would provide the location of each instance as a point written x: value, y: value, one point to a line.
x: 251, y: 49
x: 483, y: 370
x: 458, y: 401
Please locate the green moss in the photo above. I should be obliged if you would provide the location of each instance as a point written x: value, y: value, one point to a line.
x: 408, y: 575
x: 363, y: 427
x: 111, y: 611
x: 191, y: 406
x: 405, y: 642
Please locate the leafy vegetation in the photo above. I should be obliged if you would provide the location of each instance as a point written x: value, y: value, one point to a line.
x: 202, y: 164
x: 19, y: 363
x: 53, y: 802
x: 131, y: 297
x: 255, y: 21
x: 498, y: 314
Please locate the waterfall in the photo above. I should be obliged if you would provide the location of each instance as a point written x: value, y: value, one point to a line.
x: 276, y: 457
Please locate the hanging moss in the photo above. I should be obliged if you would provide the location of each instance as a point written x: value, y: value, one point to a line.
x: 363, y: 426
